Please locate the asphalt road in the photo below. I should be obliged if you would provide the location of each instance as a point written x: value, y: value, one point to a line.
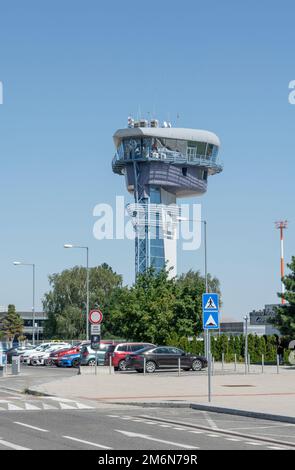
x: 28, y: 422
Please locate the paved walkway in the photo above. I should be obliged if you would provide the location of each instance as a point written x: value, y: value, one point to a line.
x: 269, y: 392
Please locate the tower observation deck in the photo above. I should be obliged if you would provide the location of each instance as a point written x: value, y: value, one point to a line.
x: 161, y: 164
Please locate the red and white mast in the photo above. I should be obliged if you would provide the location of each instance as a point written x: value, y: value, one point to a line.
x: 282, y: 225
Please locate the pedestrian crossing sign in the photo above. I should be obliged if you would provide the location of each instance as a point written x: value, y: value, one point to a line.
x: 210, y: 311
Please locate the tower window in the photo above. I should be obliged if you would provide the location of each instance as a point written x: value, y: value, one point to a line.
x: 184, y: 171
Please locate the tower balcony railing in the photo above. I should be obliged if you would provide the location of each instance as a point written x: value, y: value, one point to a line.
x: 167, y: 156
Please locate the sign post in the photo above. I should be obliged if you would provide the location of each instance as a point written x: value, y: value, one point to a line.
x: 95, y: 318
x: 210, y: 304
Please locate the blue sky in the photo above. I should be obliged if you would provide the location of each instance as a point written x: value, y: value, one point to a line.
x: 73, y: 71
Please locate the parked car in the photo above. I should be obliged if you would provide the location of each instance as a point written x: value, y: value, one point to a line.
x: 56, y: 355
x: 69, y: 360
x: 122, y: 350
x: 39, y: 358
x: 24, y: 357
x: 88, y: 354
x: 164, y: 357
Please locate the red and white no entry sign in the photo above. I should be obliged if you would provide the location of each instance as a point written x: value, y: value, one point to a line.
x: 95, y: 317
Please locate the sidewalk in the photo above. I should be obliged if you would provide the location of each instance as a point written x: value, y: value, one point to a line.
x: 269, y: 393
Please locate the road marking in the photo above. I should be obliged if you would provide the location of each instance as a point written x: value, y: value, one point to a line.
x: 81, y: 406
x: 232, y: 439
x: 196, y: 432
x: 213, y: 435
x: 12, y: 407
x: 49, y: 407
x: 87, y: 442
x: 29, y: 426
x: 254, y: 443
x: 113, y: 416
x: 149, y: 438
x: 12, y: 446
x: 64, y: 406
x: 28, y: 406
x: 180, y: 429
x: 210, y: 421
x: 165, y: 425
x: 276, y: 448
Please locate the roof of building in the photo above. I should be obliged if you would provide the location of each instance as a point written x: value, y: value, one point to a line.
x: 197, y: 135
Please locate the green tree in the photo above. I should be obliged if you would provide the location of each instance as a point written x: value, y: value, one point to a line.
x: 156, y: 308
x: 285, y: 314
x: 68, y: 289
x: 12, y: 324
x: 70, y: 324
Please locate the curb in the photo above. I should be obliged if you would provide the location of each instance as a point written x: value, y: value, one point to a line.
x: 249, y: 414
x: 28, y: 391
x: 214, y: 409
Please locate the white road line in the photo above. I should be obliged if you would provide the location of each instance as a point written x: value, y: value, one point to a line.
x: 213, y: 435
x: 81, y: 406
x: 196, y: 432
x: 276, y: 448
x: 113, y: 416
x: 165, y: 425
x: 31, y: 407
x: 149, y: 438
x: 232, y: 439
x: 29, y: 426
x: 12, y: 407
x: 180, y: 429
x: 87, y: 442
x: 64, y: 406
x: 12, y: 446
x: 210, y: 421
x: 254, y: 443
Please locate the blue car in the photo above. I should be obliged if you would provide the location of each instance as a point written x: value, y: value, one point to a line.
x: 69, y: 360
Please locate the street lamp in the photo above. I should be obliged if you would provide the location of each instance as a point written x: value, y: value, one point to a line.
x: 19, y: 263
x: 68, y: 245
x: 246, y: 342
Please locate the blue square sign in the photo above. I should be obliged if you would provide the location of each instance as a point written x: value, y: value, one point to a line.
x: 210, y: 311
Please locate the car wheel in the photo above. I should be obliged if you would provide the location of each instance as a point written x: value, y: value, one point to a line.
x: 91, y: 362
x: 139, y: 371
x: 75, y: 363
x: 197, y: 365
x: 122, y: 365
x: 33, y: 363
x: 150, y: 367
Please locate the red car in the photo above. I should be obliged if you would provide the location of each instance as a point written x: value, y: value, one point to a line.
x: 56, y: 355
x: 121, y: 351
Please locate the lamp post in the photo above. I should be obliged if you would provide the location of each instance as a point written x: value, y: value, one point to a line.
x: 67, y: 245
x: 206, y: 335
x: 19, y: 263
x: 246, y: 342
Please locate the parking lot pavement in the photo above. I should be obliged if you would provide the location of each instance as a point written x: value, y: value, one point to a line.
x: 33, y: 376
x: 127, y: 428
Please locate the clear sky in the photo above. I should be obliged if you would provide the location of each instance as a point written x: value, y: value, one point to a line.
x: 73, y: 71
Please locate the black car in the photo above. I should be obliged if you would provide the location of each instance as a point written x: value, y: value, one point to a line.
x: 164, y: 357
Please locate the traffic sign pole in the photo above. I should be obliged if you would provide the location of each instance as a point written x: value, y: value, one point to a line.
x: 209, y: 367
x: 210, y: 303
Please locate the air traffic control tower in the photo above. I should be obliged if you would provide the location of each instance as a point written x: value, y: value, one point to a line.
x: 161, y: 164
